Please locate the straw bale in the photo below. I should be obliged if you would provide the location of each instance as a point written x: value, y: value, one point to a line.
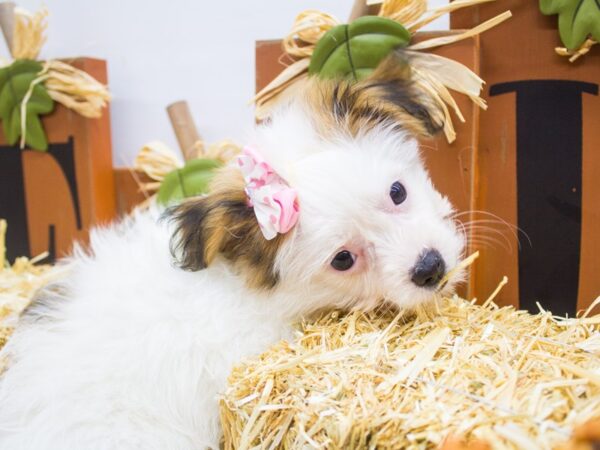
x: 455, y: 373
x: 18, y: 284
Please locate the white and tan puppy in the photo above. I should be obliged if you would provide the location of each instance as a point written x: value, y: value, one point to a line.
x: 131, y: 350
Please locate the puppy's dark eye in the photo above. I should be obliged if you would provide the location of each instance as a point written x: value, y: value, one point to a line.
x: 397, y: 193
x: 343, y: 260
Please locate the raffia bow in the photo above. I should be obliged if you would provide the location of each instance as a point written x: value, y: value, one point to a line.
x: 25, y: 34
x: 66, y: 84
x: 434, y: 74
x: 156, y: 160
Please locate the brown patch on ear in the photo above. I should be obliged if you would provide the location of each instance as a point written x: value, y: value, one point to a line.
x: 222, y: 223
x: 388, y: 96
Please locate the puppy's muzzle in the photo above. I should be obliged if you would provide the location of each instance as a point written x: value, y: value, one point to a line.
x: 429, y: 269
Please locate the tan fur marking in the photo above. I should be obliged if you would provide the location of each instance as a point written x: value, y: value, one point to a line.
x: 222, y: 223
x: 387, y: 96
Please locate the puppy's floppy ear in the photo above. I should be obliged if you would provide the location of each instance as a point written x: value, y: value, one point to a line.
x: 390, y: 95
x: 394, y: 84
x: 222, y: 223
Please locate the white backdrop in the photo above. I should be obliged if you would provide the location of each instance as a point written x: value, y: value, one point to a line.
x: 160, y: 52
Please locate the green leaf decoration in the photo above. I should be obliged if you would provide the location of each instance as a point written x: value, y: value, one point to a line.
x: 577, y: 19
x: 15, y: 81
x: 354, y: 50
x: 189, y: 181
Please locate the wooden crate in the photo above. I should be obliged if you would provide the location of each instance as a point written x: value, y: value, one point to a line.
x: 127, y: 189
x: 52, y: 198
x: 539, y: 160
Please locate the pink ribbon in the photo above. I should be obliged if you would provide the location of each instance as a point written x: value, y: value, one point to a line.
x: 275, y: 203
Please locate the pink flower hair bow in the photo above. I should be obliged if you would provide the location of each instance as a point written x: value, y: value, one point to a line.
x: 275, y: 203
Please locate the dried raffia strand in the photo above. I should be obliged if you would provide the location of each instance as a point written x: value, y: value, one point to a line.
x: 420, y: 22
x: 445, y: 40
x: 451, y: 74
x: 577, y: 53
x: 403, y: 11
x: 23, y: 107
x: 75, y: 89
x: 223, y: 151
x: 414, y: 14
x: 309, y: 26
x: 289, y: 80
x: 29, y: 33
x: 156, y: 160
x: 487, y: 376
x: 428, y: 85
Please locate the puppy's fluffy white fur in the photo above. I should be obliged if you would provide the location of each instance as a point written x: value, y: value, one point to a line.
x: 131, y: 352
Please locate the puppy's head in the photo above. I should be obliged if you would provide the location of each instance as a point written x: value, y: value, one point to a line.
x: 371, y: 228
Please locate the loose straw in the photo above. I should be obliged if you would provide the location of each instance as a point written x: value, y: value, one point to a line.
x: 460, y: 266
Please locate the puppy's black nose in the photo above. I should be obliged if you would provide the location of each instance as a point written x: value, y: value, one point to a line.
x: 429, y: 270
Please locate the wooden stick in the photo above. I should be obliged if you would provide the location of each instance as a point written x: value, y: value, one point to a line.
x: 7, y: 23
x: 185, y: 129
x: 362, y: 8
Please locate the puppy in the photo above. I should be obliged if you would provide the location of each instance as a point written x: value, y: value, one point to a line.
x: 131, y: 350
